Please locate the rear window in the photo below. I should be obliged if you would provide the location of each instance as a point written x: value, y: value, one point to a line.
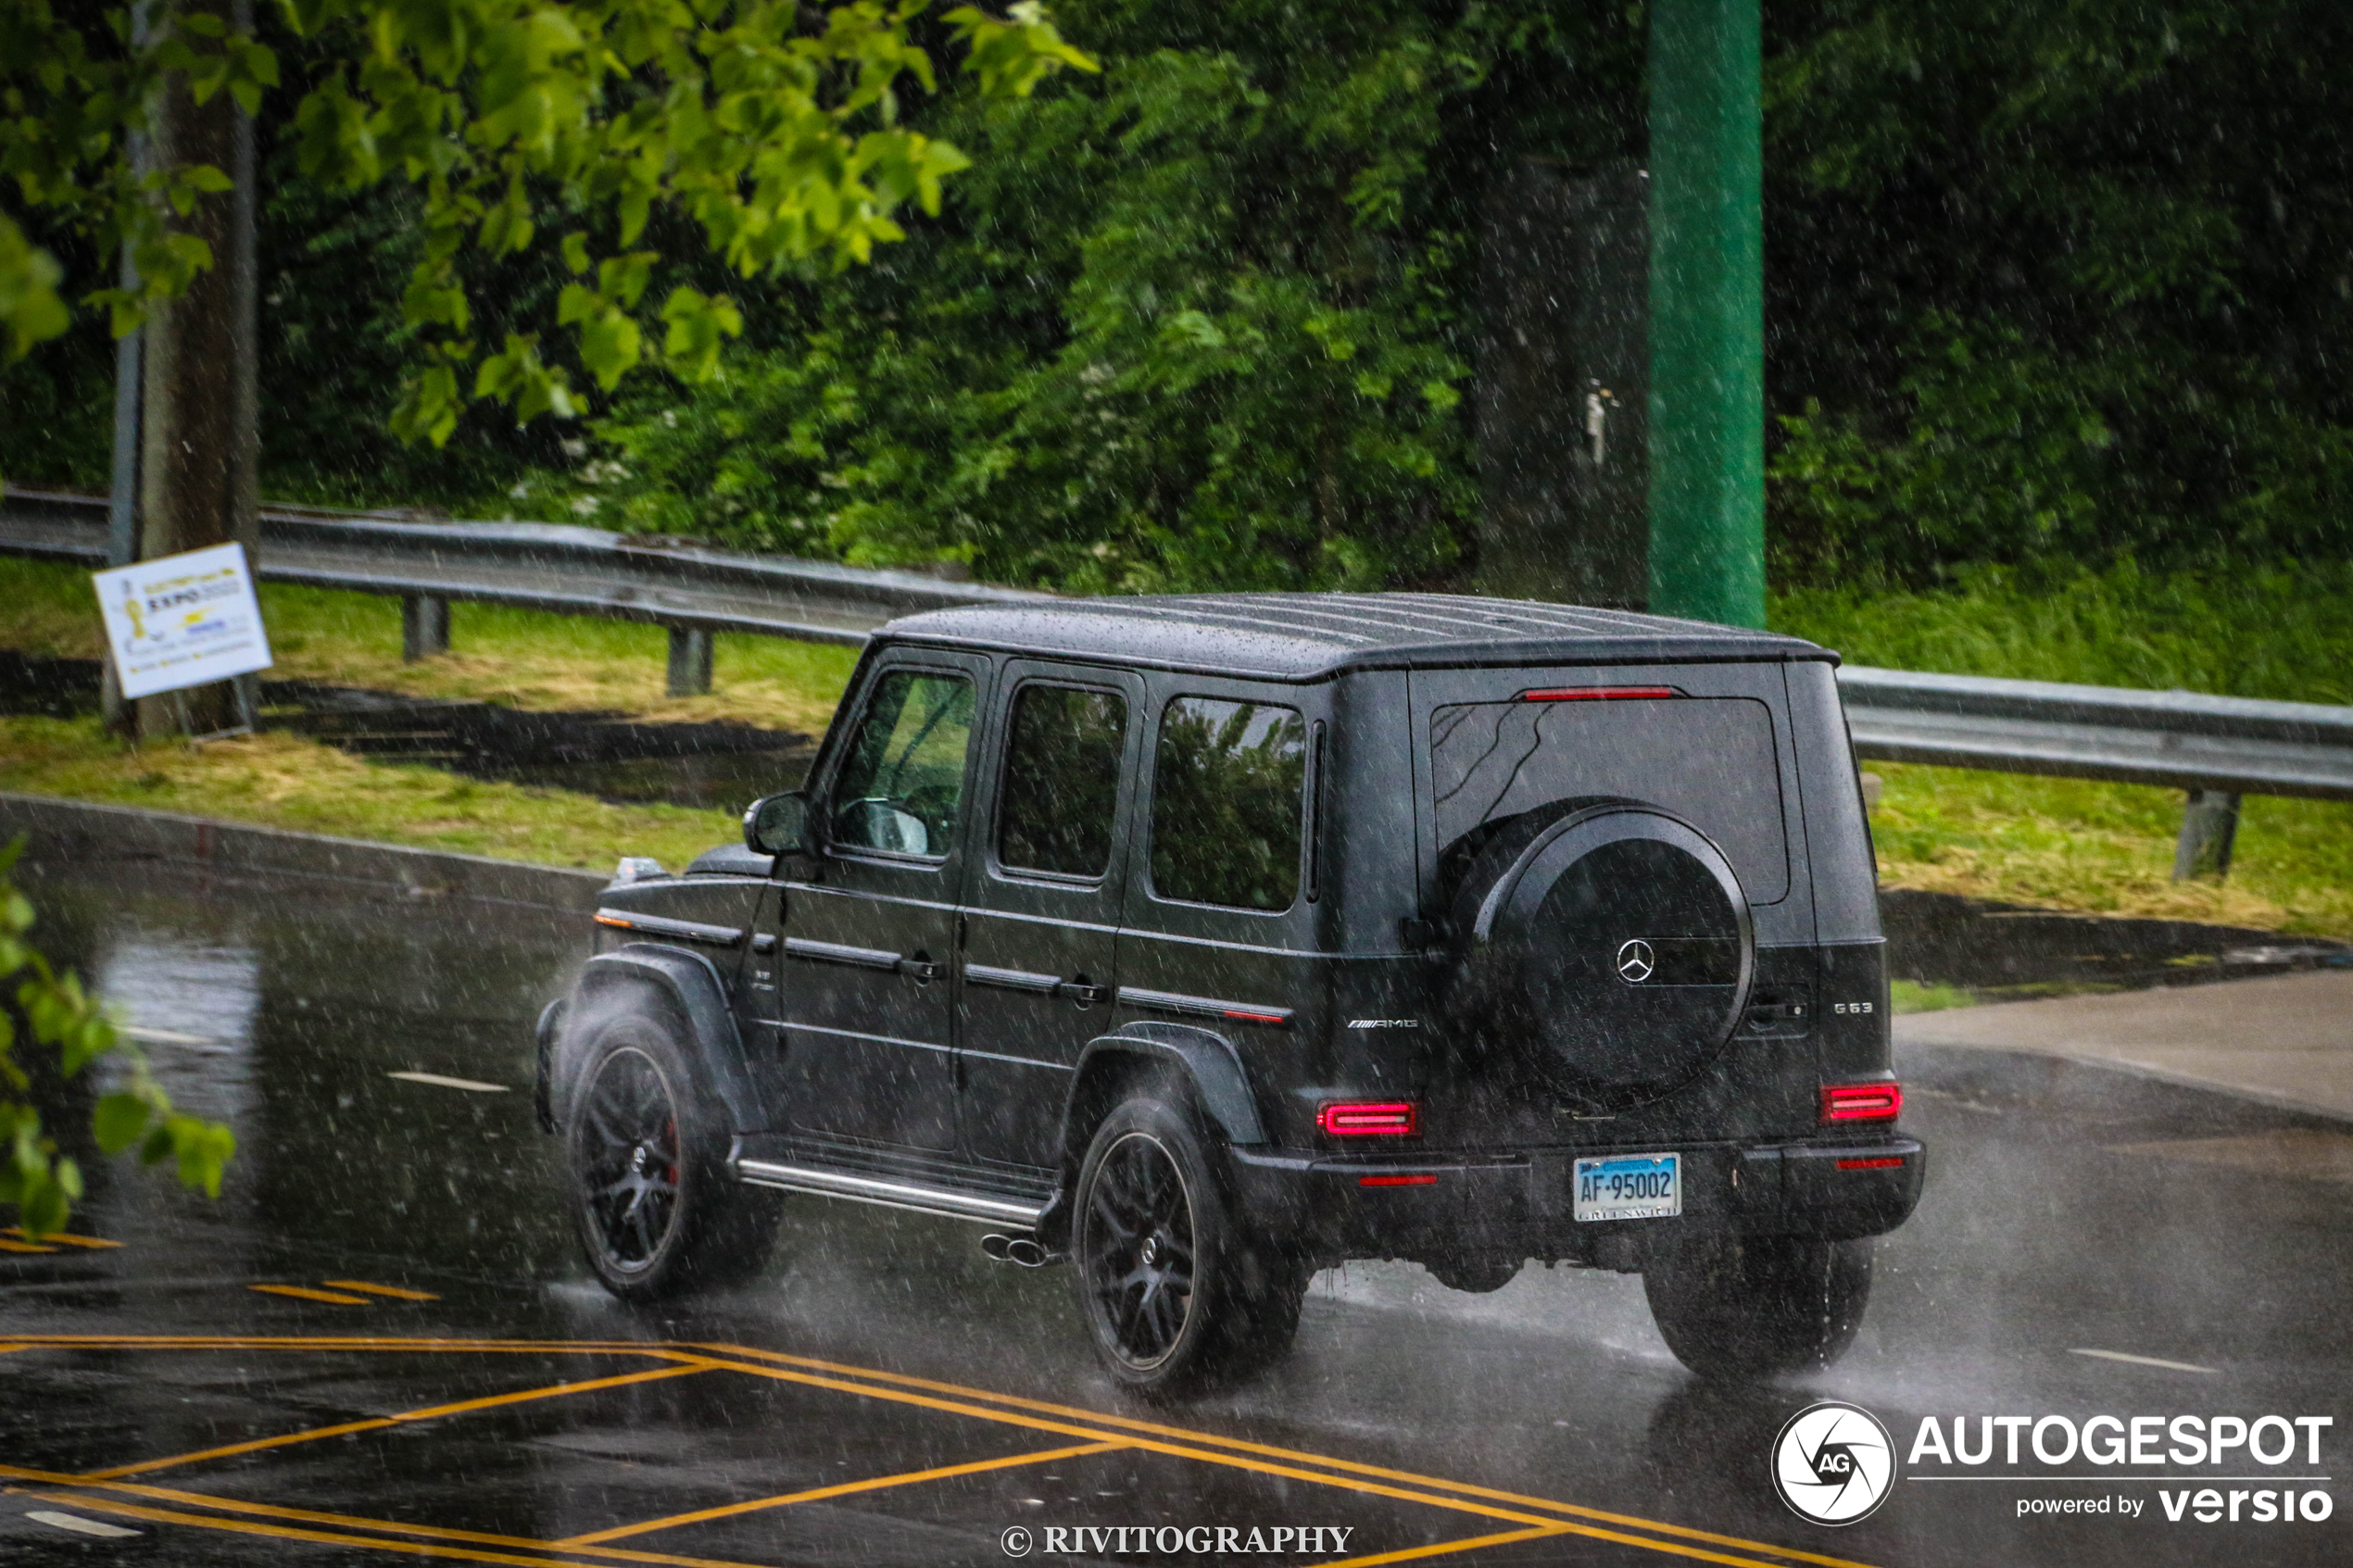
x: 1710, y: 761
x: 1225, y: 803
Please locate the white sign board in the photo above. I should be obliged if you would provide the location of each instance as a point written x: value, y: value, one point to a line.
x: 182, y: 620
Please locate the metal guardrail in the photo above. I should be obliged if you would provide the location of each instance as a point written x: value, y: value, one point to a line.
x: 2217, y: 748
x: 536, y: 566
x: 2183, y: 740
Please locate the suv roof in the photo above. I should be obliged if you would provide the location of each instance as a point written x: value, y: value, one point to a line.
x: 1295, y: 636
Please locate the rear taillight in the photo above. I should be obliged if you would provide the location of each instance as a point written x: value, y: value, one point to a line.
x: 1370, y: 1118
x: 1862, y: 1103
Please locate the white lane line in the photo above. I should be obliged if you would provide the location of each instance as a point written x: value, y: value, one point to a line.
x: 145, y: 1036
x: 2146, y: 1360
x: 439, y: 1082
x: 84, y: 1526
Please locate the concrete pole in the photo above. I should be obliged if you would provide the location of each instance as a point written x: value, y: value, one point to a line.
x: 1707, y: 312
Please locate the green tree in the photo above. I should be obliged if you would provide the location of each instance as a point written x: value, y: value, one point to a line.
x: 775, y: 133
x: 38, y: 1182
x: 2057, y: 278
x: 1205, y: 320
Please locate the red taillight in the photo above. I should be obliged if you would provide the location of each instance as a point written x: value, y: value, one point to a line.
x: 1885, y: 1162
x: 1862, y: 1103
x: 1596, y: 694
x: 1370, y: 1118
x: 1423, y: 1180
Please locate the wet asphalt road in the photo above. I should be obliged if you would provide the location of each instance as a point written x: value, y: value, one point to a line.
x: 880, y: 1347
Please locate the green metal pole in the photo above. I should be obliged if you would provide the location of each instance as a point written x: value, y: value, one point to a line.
x: 1707, y: 312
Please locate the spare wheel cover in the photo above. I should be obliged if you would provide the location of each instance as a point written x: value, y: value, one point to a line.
x: 1615, y: 954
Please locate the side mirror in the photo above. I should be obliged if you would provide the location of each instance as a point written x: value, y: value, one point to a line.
x: 778, y: 824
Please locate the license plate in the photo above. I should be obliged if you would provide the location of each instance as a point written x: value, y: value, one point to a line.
x: 1629, y: 1186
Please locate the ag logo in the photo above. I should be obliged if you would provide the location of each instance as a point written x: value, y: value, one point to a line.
x: 1636, y: 962
x: 1833, y: 1463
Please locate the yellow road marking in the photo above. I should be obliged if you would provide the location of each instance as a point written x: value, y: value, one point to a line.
x: 1263, y: 1467
x: 1243, y: 1444
x: 420, y: 1344
x: 393, y: 1290
x: 94, y: 1243
x: 1446, y: 1549
x: 1186, y: 1448
x: 843, y: 1488
x: 311, y: 1516
x: 8, y: 1246
x: 429, y: 1413
x: 303, y: 1293
x: 327, y: 1537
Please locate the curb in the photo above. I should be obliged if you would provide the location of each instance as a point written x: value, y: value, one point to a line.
x: 69, y: 830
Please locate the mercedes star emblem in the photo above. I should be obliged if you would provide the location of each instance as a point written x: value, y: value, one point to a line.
x: 1635, y: 961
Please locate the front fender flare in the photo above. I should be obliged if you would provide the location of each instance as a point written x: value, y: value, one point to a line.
x: 1208, y: 1059
x: 690, y: 983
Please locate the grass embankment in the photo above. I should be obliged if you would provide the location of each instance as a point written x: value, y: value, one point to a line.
x: 2109, y: 849
x: 2058, y: 842
x: 517, y: 657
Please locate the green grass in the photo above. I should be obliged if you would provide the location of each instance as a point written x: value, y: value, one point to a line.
x: 2277, y: 632
x: 520, y: 658
x: 1910, y: 995
x: 283, y: 780
x: 516, y: 657
x: 2057, y: 843
x: 2280, y: 633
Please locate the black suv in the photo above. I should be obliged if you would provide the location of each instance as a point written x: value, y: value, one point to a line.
x: 1204, y: 942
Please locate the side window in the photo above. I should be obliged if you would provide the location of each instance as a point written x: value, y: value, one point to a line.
x: 1225, y: 803
x: 1062, y: 780
x: 901, y: 782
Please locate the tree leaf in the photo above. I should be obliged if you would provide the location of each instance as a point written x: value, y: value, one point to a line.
x: 118, y: 1121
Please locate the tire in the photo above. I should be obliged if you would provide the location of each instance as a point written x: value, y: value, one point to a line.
x: 1175, y: 1296
x: 1474, y: 1273
x: 645, y: 1168
x: 1736, y: 1309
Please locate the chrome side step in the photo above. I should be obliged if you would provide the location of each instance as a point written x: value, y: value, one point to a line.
x: 921, y: 1199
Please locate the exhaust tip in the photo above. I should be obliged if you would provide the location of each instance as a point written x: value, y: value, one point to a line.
x: 1021, y: 1250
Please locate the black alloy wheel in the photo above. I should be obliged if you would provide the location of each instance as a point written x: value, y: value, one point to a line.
x: 1178, y: 1293
x: 1138, y: 1251
x: 629, y: 1164
x: 651, y: 1195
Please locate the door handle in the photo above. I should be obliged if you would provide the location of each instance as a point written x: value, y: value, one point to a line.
x: 1083, y: 994
x: 921, y: 971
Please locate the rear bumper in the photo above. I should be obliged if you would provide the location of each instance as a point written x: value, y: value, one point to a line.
x: 1439, y: 1203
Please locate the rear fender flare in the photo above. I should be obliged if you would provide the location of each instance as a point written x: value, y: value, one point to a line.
x: 1207, y: 1059
x: 689, y: 983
